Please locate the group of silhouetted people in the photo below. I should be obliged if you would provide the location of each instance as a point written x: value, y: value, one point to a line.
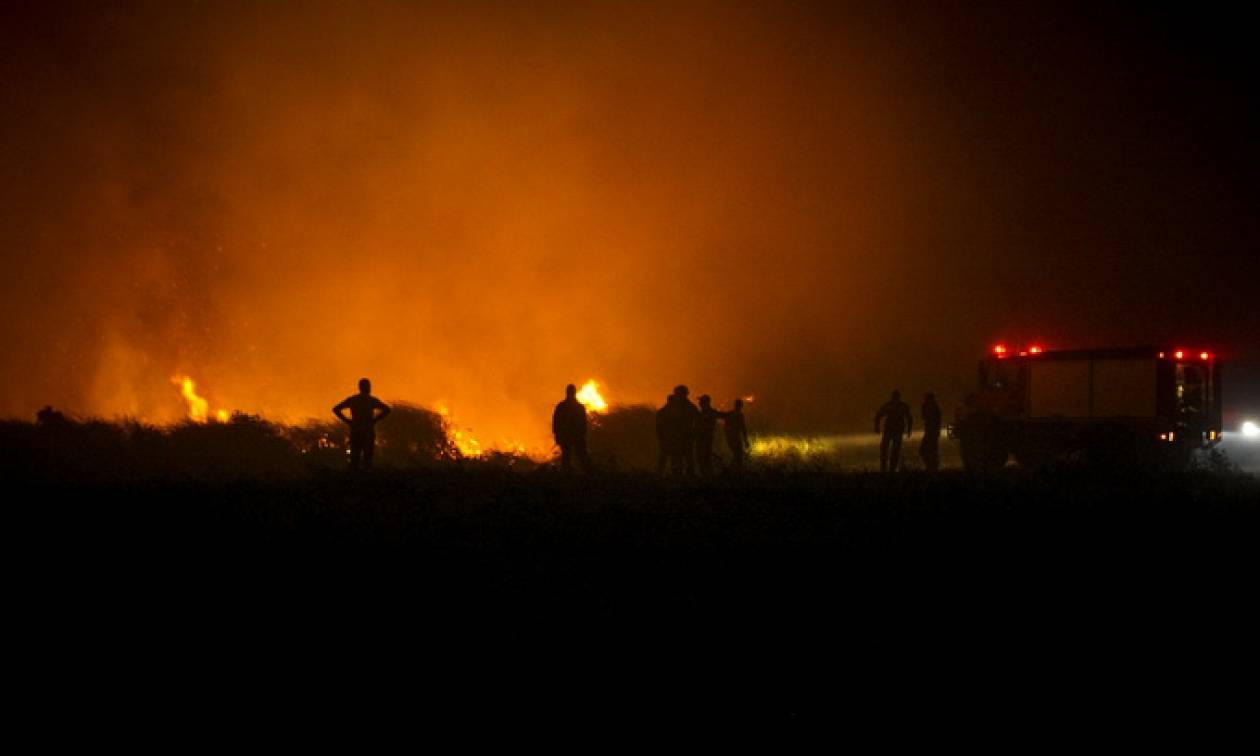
x: 686, y: 434
x: 897, y: 421
x: 684, y: 431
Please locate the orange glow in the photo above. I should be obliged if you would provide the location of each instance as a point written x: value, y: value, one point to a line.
x: 480, y: 204
x: 589, y: 395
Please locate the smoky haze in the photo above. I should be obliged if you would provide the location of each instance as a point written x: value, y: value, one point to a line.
x: 479, y: 203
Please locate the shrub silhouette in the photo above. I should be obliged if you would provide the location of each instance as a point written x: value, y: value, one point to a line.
x: 623, y: 438
x: 411, y: 436
x: 70, y: 449
x: 245, y: 445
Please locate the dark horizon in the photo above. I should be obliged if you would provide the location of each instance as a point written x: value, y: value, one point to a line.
x: 480, y: 203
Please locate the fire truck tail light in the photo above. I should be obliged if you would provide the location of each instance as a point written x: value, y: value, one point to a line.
x: 1034, y: 350
x: 1179, y: 354
x: 999, y: 350
x: 1204, y: 355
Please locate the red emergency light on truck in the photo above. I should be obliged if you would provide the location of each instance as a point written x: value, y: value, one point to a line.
x: 1135, y: 404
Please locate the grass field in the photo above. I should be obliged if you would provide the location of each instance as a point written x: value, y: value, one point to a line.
x: 253, y: 539
x: 201, y: 526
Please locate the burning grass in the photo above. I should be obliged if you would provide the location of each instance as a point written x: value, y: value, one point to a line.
x: 622, y: 439
x: 241, y: 446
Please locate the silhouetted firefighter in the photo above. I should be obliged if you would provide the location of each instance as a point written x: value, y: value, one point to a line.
x: 675, y: 430
x: 362, y: 421
x: 929, y: 446
x: 896, y: 416
x: 568, y: 425
x: 705, y: 429
x: 662, y: 434
x: 736, y: 434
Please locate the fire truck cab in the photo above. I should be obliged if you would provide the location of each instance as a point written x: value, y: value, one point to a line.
x: 1130, y: 405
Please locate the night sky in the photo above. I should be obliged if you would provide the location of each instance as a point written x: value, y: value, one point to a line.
x: 477, y: 203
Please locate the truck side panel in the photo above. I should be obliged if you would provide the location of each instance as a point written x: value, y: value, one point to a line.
x: 1058, y: 389
x: 1124, y: 388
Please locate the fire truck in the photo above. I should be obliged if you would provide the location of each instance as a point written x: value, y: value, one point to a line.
x: 1133, y: 406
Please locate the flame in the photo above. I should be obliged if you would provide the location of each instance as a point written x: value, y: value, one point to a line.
x: 590, y: 396
x: 198, y: 406
x: 464, y: 441
x: 467, y: 444
x: 513, y: 447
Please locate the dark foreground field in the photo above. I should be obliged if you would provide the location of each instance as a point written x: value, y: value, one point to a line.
x: 784, y: 545
x: 776, y: 570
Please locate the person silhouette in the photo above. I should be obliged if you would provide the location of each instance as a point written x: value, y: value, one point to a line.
x: 736, y: 434
x: 676, y: 424
x: 704, y: 429
x: 896, y: 416
x: 662, y: 433
x: 362, y: 421
x: 568, y: 425
x: 929, y: 445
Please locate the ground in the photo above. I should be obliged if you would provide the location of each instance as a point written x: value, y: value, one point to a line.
x: 771, y: 572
